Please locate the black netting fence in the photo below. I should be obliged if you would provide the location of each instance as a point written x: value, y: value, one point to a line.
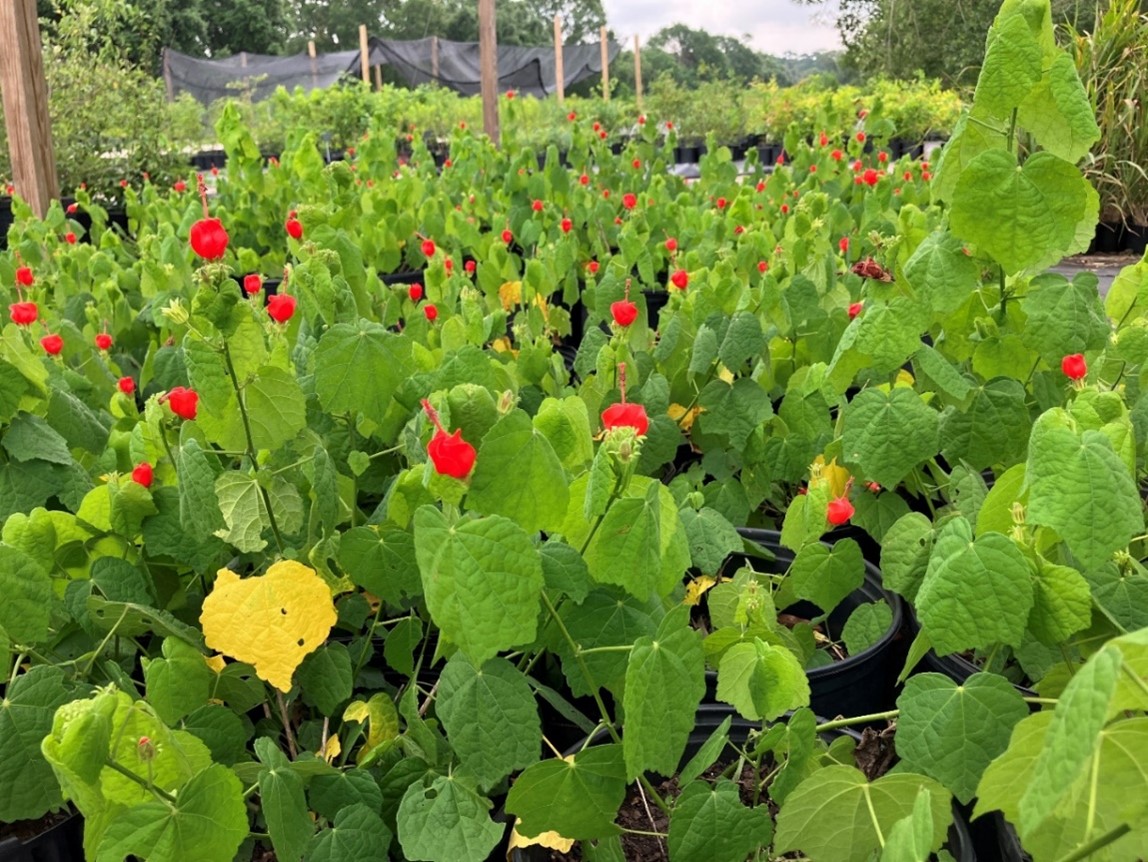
x: 422, y: 61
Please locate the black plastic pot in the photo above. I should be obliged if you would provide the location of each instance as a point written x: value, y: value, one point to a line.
x: 63, y: 842
x: 6, y: 220
x: 406, y: 276
x: 205, y: 160
x: 995, y: 838
x: 707, y: 720
x: 656, y: 300
x: 955, y: 667
x: 1136, y: 238
x: 1109, y: 238
x: 860, y: 684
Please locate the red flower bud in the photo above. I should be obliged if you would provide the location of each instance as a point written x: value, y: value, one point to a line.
x: 854, y: 309
x: 294, y: 228
x: 823, y: 140
x: 624, y: 312
x: 143, y: 474
x: 762, y: 266
x: 73, y: 208
x: 209, y: 239
x: 70, y: 238
x: 637, y: 163
x: 449, y: 453
x: 584, y: 180
x: 252, y: 283
x: 448, y: 264
x: 1074, y: 366
x: 572, y: 116
x: 843, y: 243
x: 507, y: 237
x: 680, y: 279
x: 52, y: 344
x: 597, y: 126
x: 184, y: 403
x: 836, y: 155
x: 23, y: 313
x: 126, y: 385
x: 470, y: 266
x: 861, y: 137
x: 415, y: 292
x: 281, y: 307
x: 593, y: 267
x: 629, y: 200
x: 180, y: 186
x: 24, y: 276
x: 537, y: 205
x: 882, y: 157
x: 626, y: 415
x: 103, y: 341
x: 839, y: 511
x: 671, y: 244
x: 870, y: 177
x: 431, y: 312
x: 428, y: 248
x: 760, y: 185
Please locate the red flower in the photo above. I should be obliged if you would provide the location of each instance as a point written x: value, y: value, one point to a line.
x: 637, y: 163
x: 625, y: 415
x: 781, y: 159
x: 721, y: 203
x: 785, y: 209
x: 629, y: 200
x: 507, y: 236
x: 606, y: 193
x: 281, y: 307
x: 760, y: 185
x: 854, y: 309
x: 908, y: 176
x: 447, y: 163
x: 813, y: 169
x: 671, y: 244
x: 23, y: 313
x: 566, y: 225
x: 843, y: 243
x: 180, y: 186
x: 209, y: 239
x: 882, y: 157
x: 184, y: 403
x: 104, y: 341
x: 837, y: 155
x: 1074, y: 366
x: 839, y: 511
x: 70, y: 238
x: 123, y: 184
x: 126, y: 385
x: 252, y: 283
x: 624, y: 312
x: 641, y: 119
x: 572, y: 116
x: 857, y: 166
x: 870, y: 177
x: 861, y: 137
x: 597, y: 126
x: 431, y: 312
x: 143, y: 474
x: 24, y: 276
x: 415, y: 292
x: 537, y: 205
x: 823, y: 140
x: 52, y: 344
x: 926, y: 176
x: 448, y: 264
x: 593, y: 267
x: 469, y: 266
x: 669, y: 125
x: 449, y: 453
x: 762, y: 266
x: 584, y: 180
x: 680, y: 279
x: 294, y: 228
x: 428, y: 248
x: 73, y: 208
x: 510, y: 94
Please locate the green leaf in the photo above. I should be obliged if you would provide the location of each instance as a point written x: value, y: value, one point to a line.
x: 951, y: 732
x: 1079, y: 487
x: 1058, y: 113
x: 976, y: 593
x: 733, y: 410
x: 359, y: 833
x: 283, y: 803
x: 179, y: 682
x: 837, y: 815
x: 28, y: 788
x: 1072, y: 737
x: 577, y: 798
x: 708, y: 754
x: 518, y: 476
x: 665, y: 681
x: 992, y: 430
x: 1129, y: 291
x: 627, y: 547
x: 243, y: 510
x: 198, y: 505
x: 1122, y: 594
x: 1035, y: 212
x: 275, y: 407
x: 1063, y: 317
x: 866, y: 626
x: 208, y: 821
x: 30, y: 438
x: 27, y: 591
x: 381, y: 560
x: 743, y: 340
x: 941, y: 272
x: 1062, y: 603
x: 325, y: 677
x: 13, y: 385
x: 761, y: 681
x: 607, y: 617
x: 888, y: 434
x: 344, y: 351
x: 79, y: 426
x: 446, y: 821
x: 330, y: 794
x: 711, y: 536
x: 910, y: 838
x: 996, y: 513
x: 1012, y: 65
x: 566, y: 424
x: 709, y: 822
x: 942, y: 373
x: 825, y: 575
x: 221, y: 730
x: 889, y: 331
x: 564, y: 570
x: 482, y: 578
x: 490, y: 717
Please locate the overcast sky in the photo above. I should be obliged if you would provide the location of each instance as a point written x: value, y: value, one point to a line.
x: 774, y: 26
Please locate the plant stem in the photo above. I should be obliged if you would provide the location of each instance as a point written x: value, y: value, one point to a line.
x: 127, y: 773
x: 252, y: 453
x: 15, y: 670
x: 1042, y: 700
x: 857, y: 719
x: 1086, y: 850
x: 286, y: 724
x: 598, y: 521
x: 1011, y: 133
x: 592, y: 650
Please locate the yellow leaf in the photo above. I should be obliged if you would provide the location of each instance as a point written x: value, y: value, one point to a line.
x: 829, y: 476
x: 550, y: 840
x: 684, y: 418
x: 904, y: 378
x: 502, y: 345
x: 332, y: 749
x: 216, y: 662
x: 271, y: 621
x: 697, y: 588
x: 725, y: 374
x: 381, y: 718
x: 510, y: 294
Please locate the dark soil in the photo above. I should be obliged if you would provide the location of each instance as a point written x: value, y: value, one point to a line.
x: 26, y: 830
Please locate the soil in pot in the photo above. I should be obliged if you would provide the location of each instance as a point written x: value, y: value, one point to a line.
x: 55, y: 837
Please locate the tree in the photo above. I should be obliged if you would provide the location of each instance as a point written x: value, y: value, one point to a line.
x: 335, y: 26
x: 256, y: 26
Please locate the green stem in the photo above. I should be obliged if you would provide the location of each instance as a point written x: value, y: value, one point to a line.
x: 1011, y: 133
x: 15, y: 669
x: 286, y: 724
x: 252, y: 452
x: 1045, y: 701
x: 592, y: 650
x: 857, y: 719
x: 598, y: 521
x: 99, y: 650
x: 127, y: 773
x: 1086, y: 850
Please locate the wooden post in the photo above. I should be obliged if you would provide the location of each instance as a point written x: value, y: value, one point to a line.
x: 314, y: 69
x: 488, y: 64
x: 26, y: 105
x: 638, y: 72
x: 167, y: 82
x: 242, y: 59
x: 602, y: 36
x: 434, y: 57
x: 559, y: 72
x: 378, y: 77
x: 364, y: 55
